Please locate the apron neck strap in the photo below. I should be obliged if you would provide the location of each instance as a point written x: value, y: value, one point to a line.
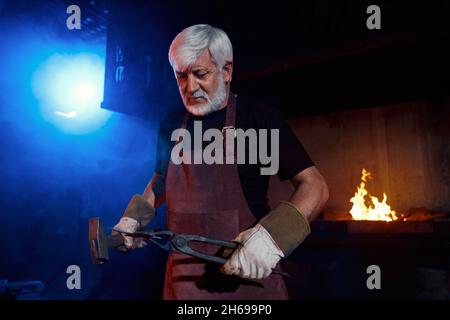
x: 230, y: 117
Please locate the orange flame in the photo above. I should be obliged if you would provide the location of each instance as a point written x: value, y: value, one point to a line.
x: 375, y: 210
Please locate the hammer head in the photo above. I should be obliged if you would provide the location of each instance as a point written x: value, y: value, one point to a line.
x: 98, y: 241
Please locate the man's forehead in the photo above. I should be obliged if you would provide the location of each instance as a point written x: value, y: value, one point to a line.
x: 192, y: 67
x: 203, y: 61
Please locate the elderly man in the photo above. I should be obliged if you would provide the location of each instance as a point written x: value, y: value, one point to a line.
x: 225, y: 200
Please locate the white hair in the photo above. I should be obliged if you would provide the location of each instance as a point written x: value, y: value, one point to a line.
x: 190, y: 43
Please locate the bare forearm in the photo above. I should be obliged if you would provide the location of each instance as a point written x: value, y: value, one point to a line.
x: 310, y: 196
x: 149, y: 196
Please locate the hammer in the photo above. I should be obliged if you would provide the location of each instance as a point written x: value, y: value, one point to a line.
x: 99, y: 242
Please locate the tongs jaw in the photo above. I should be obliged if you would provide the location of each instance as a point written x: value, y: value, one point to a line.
x: 180, y: 243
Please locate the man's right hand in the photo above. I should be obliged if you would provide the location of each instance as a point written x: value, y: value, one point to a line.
x: 129, y: 225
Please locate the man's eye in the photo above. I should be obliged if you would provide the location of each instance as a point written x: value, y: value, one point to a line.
x: 200, y: 74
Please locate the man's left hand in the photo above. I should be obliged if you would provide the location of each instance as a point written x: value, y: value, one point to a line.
x: 257, y: 256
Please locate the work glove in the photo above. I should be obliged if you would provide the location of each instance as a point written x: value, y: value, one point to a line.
x: 275, y: 236
x: 287, y: 226
x: 256, y: 257
x: 138, y: 214
x: 129, y: 225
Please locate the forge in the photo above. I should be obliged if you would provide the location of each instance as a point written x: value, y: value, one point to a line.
x: 387, y: 171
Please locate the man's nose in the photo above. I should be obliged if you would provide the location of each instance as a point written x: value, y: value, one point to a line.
x: 192, y: 84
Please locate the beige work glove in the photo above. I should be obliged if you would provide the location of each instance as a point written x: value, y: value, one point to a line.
x: 287, y: 226
x: 129, y: 225
x: 138, y: 214
x: 275, y: 236
x: 256, y: 257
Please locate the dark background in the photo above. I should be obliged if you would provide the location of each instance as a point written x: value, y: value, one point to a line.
x: 303, y: 57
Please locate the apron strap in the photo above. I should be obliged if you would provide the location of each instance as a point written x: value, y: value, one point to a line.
x: 229, y: 131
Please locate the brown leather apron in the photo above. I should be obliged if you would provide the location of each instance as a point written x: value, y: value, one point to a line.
x: 208, y: 200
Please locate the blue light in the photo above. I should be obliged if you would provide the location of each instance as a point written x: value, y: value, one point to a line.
x: 69, y: 88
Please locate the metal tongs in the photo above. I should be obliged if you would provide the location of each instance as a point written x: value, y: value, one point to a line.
x: 171, y: 241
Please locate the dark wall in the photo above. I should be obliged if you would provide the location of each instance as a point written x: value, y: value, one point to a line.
x: 300, y: 56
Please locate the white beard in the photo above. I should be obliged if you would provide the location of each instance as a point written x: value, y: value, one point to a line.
x: 210, y: 105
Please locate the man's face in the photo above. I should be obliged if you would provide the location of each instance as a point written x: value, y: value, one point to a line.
x: 202, y: 85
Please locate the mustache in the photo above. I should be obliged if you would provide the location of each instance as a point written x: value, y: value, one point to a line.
x: 199, y: 94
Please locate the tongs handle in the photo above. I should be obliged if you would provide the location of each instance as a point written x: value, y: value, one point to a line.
x: 220, y: 243
x: 180, y: 243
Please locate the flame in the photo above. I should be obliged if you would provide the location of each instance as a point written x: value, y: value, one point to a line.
x: 375, y: 210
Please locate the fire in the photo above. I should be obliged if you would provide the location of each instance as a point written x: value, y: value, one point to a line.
x: 374, y: 210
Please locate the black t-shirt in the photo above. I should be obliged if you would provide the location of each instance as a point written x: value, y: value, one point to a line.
x: 249, y: 114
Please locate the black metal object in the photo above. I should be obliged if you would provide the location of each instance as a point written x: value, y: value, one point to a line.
x: 180, y: 243
x: 25, y: 290
x: 407, y: 243
x: 99, y: 242
x: 414, y: 258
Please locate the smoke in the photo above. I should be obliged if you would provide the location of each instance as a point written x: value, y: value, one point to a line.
x: 52, y: 182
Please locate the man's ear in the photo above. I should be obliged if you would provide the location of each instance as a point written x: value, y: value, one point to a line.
x: 228, y: 71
